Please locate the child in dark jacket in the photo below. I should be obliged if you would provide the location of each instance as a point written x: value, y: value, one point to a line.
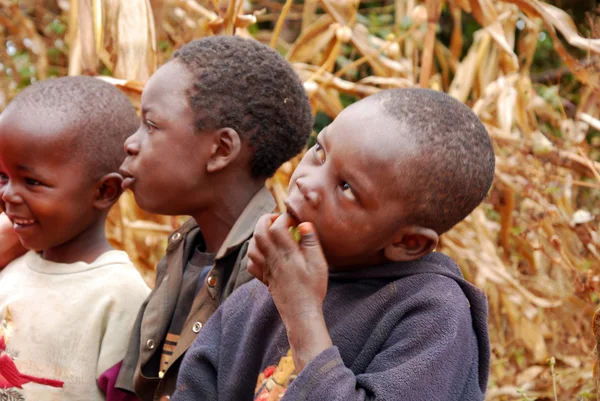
x: 366, y: 308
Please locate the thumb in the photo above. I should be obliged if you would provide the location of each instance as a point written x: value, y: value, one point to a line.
x: 310, y: 241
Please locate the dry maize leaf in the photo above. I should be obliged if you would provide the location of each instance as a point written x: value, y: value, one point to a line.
x: 309, y: 13
x: 565, y: 25
x: 463, y: 4
x: 530, y: 374
x: 555, y: 18
x: 133, y: 89
x: 506, y: 104
x: 98, y: 23
x: 312, y: 40
x: 330, y: 101
x: 382, y: 66
x: 136, y: 57
x: 456, y: 40
x: 484, y: 11
x: 462, y: 83
x: 387, y: 82
x: 533, y: 339
x: 342, y: 11
x: 588, y: 119
x: 87, y: 47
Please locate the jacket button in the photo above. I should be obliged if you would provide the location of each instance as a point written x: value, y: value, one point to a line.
x: 211, y: 281
x: 176, y: 237
x: 196, y: 327
x: 150, y: 344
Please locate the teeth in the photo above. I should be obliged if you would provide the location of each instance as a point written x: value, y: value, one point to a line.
x: 23, y: 222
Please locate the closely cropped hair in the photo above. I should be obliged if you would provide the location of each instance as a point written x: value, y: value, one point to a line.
x: 244, y: 85
x: 100, y: 117
x: 455, y: 168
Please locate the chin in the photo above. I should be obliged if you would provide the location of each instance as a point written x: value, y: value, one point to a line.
x: 155, y: 207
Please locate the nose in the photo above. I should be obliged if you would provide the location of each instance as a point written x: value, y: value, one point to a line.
x: 10, y: 195
x: 132, y: 145
x: 310, y: 190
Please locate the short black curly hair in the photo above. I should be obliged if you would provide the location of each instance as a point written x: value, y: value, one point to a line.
x: 454, y: 168
x: 99, y: 115
x: 246, y: 86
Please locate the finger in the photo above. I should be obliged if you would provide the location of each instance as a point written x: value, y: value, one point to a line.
x: 309, y: 241
x: 256, y: 261
x: 281, y: 235
x: 264, y: 222
x: 261, y: 234
x: 255, y: 270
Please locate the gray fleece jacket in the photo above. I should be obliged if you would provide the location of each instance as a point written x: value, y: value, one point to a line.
x: 403, y: 331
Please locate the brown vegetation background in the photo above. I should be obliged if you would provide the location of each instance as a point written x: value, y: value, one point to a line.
x: 529, y: 70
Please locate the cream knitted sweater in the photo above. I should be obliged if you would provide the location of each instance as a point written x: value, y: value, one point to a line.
x: 65, y: 323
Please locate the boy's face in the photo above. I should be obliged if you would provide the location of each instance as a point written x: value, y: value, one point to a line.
x: 350, y: 187
x: 165, y: 162
x: 43, y: 189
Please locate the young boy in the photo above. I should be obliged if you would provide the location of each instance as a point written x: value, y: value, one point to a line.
x: 217, y: 121
x: 366, y: 307
x: 68, y: 305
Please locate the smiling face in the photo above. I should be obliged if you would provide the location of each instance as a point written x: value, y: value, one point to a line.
x: 44, y: 189
x: 349, y: 185
x: 166, y: 162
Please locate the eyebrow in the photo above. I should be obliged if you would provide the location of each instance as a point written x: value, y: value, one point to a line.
x: 25, y: 168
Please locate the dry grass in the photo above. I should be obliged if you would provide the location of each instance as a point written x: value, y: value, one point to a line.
x: 533, y: 246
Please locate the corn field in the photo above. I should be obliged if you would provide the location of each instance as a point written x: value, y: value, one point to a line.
x: 533, y: 246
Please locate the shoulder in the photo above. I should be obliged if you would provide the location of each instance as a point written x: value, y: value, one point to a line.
x: 249, y: 300
x: 439, y: 297
x: 17, y: 268
x: 120, y: 275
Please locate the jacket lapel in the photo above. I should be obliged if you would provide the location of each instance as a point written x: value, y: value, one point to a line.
x: 208, y: 298
x: 161, y: 306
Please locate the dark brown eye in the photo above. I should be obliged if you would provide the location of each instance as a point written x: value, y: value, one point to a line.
x: 319, y: 153
x: 348, y: 192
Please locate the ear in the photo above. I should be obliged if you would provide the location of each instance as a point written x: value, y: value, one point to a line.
x: 108, y: 190
x: 411, y: 243
x: 225, y: 149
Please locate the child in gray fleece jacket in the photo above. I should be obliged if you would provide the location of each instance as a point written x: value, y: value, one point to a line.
x: 359, y: 307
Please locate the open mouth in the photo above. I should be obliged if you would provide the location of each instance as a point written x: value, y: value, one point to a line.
x: 20, y: 223
x: 292, y: 212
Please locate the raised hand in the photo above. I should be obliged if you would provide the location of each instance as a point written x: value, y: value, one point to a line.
x: 296, y: 274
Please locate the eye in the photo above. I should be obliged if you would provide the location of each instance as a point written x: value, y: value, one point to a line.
x: 348, y: 192
x: 32, y: 182
x: 319, y: 153
x: 150, y: 124
x: 3, y: 178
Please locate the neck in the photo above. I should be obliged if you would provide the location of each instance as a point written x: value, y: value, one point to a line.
x: 85, y: 247
x: 216, y: 222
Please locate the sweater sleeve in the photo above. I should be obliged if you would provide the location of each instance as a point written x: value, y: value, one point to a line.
x: 130, y: 291
x: 430, y: 355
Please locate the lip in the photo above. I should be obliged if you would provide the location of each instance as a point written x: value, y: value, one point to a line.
x: 128, y: 179
x: 293, y: 210
x: 20, y: 223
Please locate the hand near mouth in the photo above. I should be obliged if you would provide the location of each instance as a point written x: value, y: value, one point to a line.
x: 10, y: 246
x: 296, y: 274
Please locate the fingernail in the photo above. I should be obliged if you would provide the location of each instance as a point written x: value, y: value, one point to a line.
x: 306, y: 228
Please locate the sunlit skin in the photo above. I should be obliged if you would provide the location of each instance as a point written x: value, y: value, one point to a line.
x: 347, y: 195
x: 174, y: 169
x: 55, y: 207
x: 10, y: 246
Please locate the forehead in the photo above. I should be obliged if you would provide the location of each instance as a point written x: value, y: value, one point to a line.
x: 35, y: 135
x: 371, y: 141
x: 168, y: 89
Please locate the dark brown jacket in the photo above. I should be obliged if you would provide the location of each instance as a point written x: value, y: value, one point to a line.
x: 140, y: 365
